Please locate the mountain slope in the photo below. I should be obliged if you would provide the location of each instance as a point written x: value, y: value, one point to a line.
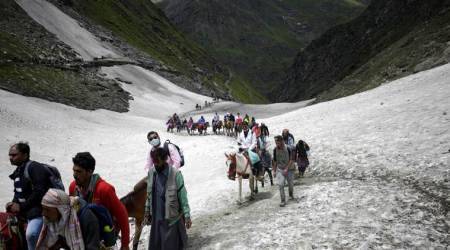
x: 258, y: 39
x: 144, y: 26
x: 33, y: 62
x: 389, y: 40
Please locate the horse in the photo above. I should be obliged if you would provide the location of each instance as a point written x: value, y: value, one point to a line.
x: 193, y: 128
x: 170, y: 125
x: 240, y: 166
x: 179, y: 126
x: 237, y: 129
x: 229, y: 125
x: 134, y: 202
x: 202, y: 128
x: 217, y: 126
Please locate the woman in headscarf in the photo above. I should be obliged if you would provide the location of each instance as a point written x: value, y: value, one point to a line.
x: 62, y: 228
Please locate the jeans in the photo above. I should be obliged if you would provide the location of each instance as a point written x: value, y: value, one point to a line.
x: 281, y: 179
x: 32, y: 233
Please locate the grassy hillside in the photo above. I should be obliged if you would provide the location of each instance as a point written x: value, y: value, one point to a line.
x: 427, y: 46
x: 144, y: 26
x: 388, y: 40
x: 31, y: 64
x: 258, y: 39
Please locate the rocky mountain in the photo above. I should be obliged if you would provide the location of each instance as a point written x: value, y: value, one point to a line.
x: 390, y: 39
x: 34, y: 62
x: 257, y: 39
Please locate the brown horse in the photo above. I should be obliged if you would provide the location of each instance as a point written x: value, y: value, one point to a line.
x: 217, y: 126
x: 202, y: 128
x: 134, y: 202
x: 229, y: 125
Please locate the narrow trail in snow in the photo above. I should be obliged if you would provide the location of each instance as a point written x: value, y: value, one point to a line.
x: 253, y: 224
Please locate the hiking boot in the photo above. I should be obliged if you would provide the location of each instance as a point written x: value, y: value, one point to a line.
x: 282, y: 204
x: 291, y: 197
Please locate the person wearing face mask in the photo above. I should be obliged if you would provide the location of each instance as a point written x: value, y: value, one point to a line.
x: 247, y: 138
x: 166, y: 208
x: 174, y: 158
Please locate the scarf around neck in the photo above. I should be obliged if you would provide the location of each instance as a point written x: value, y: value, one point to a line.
x: 68, y: 225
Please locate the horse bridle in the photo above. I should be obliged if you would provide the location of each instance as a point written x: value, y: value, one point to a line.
x: 228, y: 162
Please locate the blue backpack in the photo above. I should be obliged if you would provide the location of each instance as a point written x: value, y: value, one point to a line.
x: 108, y: 235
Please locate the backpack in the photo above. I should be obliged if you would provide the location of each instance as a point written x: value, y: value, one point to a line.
x: 180, y: 152
x: 108, y: 235
x: 54, y: 178
x: 288, y: 149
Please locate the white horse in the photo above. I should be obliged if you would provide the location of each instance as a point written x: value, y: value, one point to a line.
x: 238, y: 164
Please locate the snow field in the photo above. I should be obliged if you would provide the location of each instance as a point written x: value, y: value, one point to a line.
x: 378, y: 177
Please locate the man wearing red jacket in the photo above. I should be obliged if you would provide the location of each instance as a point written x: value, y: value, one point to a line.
x: 94, y: 189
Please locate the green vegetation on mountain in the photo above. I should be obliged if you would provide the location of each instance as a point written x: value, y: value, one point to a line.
x: 391, y: 39
x: 258, y: 39
x: 427, y: 46
x: 31, y: 65
x: 143, y: 25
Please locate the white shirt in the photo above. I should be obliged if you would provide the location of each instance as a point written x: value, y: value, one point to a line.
x: 248, y: 142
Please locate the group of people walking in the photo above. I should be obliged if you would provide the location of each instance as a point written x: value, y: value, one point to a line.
x: 231, y: 123
x: 56, y: 219
x: 190, y: 125
x: 286, y: 157
x: 90, y: 215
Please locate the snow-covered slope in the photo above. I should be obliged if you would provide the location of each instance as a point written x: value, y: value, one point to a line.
x: 66, y: 29
x: 379, y: 176
x: 379, y: 173
x: 153, y: 95
x: 373, y: 154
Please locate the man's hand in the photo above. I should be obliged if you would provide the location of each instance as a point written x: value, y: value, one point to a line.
x: 188, y: 223
x: 8, y: 206
x: 13, y: 207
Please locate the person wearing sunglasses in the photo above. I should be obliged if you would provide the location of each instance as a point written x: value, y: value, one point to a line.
x: 154, y: 140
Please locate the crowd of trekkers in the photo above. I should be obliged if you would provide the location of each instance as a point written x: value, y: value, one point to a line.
x: 282, y: 163
x: 230, y: 125
x: 90, y: 215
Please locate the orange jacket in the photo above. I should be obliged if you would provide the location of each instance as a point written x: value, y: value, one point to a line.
x: 105, y: 195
